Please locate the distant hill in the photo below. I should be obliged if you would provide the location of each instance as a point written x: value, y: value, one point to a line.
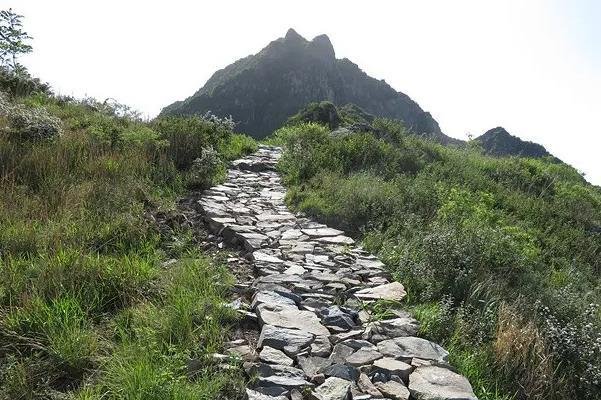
x: 262, y: 91
x: 499, y: 142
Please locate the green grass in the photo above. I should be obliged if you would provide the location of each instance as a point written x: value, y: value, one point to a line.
x: 479, y: 242
x: 86, y: 309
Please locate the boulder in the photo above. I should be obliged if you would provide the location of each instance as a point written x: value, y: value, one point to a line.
x: 390, y: 366
x: 405, y: 348
x: 436, y: 383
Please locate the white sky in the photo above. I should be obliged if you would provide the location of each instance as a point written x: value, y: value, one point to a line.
x: 531, y: 66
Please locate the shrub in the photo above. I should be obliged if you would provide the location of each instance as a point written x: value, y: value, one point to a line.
x: 205, y: 168
x: 28, y: 123
x: 188, y: 136
x: 19, y: 83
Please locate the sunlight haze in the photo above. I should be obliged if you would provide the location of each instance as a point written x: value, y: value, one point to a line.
x: 533, y: 67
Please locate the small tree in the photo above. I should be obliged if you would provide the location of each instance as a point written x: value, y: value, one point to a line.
x: 12, y: 40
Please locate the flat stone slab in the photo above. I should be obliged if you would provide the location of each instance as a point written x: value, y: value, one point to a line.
x: 390, y: 291
x: 391, y: 328
x: 320, y: 232
x: 272, y: 298
x: 363, y: 356
x: 264, y: 257
x: 253, y: 395
x: 291, y: 341
x: 274, y: 356
x: 287, y: 317
x: 406, y: 348
x: 336, y: 239
x: 436, y: 383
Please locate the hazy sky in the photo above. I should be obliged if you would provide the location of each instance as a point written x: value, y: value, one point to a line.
x: 531, y: 66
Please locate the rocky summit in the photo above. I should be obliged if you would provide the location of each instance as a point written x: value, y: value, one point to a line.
x: 262, y: 91
x: 499, y: 142
x: 310, y: 298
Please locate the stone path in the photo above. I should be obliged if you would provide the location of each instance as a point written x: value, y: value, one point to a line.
x: 311, y: 299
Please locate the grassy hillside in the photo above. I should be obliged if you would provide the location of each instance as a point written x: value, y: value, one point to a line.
x: 501, y: 256
x: 88, y: 304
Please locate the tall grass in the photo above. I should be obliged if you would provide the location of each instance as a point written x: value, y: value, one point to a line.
x: 85, y: 308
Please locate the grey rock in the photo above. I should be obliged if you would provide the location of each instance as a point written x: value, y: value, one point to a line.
x: 268, y: 370
x: 321, y: 346
x: 342, y: 371
x: 394, y: 390
x: 271, y: 297
x: 287, y: 317
x: 340, y: 352
x: 254, y: 395
x: 337, y: 316
x: 288, y: 382
x: 320, y: 232
x: 264, y: 257
x: 291, y: 341
x: 333, y: 389
x: 312, y: 365
x: 363, y: 356
x: 390, y: 291
x: 357, y: 344
x: 392, y: 328
x: 436, y: 383
x: 392, y: 366
x: 406, y: 348
x: 336, y: 240
x: 366, y: 386
x: 274, y: 356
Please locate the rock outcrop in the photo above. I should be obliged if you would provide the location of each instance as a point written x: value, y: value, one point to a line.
x: 261, y: 91
x: 311, y: 297
x: 499, y: 142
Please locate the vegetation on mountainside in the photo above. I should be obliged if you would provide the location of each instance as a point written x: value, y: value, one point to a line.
x: 500, y: 256
x: 88, y: 304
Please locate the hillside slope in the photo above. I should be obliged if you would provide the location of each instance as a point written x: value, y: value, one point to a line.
x: 499, y: 255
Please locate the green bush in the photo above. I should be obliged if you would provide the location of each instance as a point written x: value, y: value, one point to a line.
x: 20, y: 83
x: 28, y: 123
x: 188, y: 136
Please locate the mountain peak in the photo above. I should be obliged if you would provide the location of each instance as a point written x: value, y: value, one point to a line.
x: 498, y: 142
x: 498, y: 131
x: 262, y: 91
x: 292, y: 35
x: 323, y: 46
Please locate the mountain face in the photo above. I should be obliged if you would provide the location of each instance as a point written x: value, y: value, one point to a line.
x: 499, y: 142
x: 261, y: 91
